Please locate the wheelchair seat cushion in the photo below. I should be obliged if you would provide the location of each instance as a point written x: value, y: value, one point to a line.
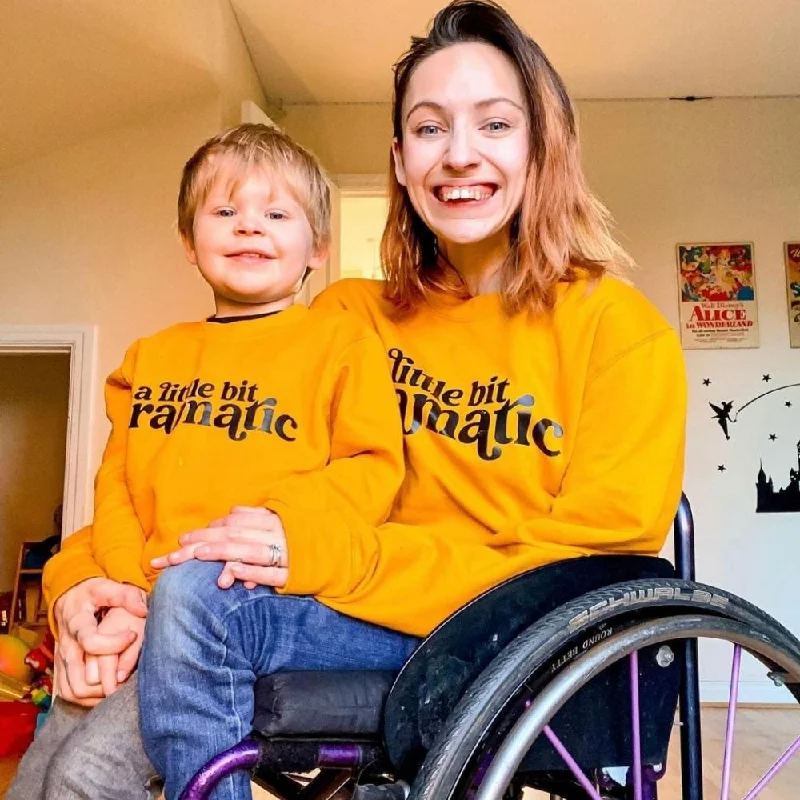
x: 321, y: 703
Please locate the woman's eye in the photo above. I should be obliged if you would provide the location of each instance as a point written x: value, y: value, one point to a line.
x: 427, y: 130
x: 496, y: 126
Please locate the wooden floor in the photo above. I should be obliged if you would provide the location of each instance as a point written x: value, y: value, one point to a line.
x: 761, y: 736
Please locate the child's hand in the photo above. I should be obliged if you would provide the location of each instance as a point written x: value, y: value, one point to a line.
x: 112, y: 670
x: 79, y: 638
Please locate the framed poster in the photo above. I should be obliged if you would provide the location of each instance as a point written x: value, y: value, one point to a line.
x: 718, y: 296
x: 792, y: 255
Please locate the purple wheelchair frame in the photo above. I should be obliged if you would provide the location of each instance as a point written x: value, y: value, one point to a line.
x: 348, y: 757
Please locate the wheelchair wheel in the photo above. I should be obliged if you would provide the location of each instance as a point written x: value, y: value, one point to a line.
x: 481, y: 753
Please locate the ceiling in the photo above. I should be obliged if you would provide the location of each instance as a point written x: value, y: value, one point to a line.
x: 72, y: 68
x: 341, y: 51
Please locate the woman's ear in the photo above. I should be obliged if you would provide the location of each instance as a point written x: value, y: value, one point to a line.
x: 397, y: 156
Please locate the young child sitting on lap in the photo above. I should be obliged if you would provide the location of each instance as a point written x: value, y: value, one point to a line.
x: 264, y: 404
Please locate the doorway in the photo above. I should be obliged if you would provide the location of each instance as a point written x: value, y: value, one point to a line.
x: 34, y: 402
x: 78, y: 345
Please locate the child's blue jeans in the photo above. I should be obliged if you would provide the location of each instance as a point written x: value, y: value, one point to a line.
x: 205, y: 646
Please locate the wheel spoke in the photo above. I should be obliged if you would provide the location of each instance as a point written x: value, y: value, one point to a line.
x: 579, y: 774
x: 774, y: 770
x: 731, y: 723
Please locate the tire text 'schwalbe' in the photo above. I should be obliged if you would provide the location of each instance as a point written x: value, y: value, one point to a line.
x: 530, y: 656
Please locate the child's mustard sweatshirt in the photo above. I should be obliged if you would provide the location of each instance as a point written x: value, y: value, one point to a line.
x: 293, y: 411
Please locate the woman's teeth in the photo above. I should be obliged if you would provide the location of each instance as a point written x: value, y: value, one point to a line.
x: 448, y: 193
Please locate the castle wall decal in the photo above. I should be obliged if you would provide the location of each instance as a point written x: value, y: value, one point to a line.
x: 771, y: 500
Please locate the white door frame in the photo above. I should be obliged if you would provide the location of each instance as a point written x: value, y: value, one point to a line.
x: 365, y: 185
x: 80, y: 343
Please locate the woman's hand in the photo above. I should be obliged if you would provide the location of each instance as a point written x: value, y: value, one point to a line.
x: 250, y: 541
x: 78, y: 633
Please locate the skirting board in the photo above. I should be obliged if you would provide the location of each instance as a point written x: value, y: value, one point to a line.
x: 750, y: 693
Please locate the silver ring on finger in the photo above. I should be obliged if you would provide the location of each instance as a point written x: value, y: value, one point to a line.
x: 276, y: 555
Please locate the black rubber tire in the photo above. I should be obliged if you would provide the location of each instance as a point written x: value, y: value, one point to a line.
x: 535, y: 652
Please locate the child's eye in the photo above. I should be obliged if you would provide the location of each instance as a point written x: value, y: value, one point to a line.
x: 276, y: 215
x: 224, y: 212
x: 497, y: 126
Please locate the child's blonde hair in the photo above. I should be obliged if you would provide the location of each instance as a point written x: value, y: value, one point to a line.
x: 253, y: 146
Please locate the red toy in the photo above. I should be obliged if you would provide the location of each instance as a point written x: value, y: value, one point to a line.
x: 17, y: 726
x: 40, y: 659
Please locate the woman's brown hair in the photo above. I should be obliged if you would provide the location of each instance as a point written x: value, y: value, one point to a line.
x: 561, y: 230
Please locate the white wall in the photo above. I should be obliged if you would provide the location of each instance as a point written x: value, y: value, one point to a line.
x: 34, y: 393
x: 722, y: 170
x: 719, y: 171
x: 87, y: 237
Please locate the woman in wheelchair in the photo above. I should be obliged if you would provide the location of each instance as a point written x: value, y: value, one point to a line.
x: 543, y: 402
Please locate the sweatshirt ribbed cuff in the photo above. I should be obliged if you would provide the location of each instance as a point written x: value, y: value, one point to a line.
x: 64, y: 580
x: 319, y: 557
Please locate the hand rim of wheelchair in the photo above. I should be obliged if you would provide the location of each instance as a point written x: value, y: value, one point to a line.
x: 446, y: 768
x: 533, y: 722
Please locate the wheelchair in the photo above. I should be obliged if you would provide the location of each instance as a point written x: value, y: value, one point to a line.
x: 566, y: 679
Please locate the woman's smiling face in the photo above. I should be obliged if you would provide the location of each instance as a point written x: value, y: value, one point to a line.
x: 465, y: 148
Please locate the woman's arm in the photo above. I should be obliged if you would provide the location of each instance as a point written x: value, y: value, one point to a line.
x: 366, y: 464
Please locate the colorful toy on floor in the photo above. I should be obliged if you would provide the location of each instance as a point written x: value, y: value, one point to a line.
x: 11, y: 689
x: 12, y: 658
x: 40, y: 659
x: 42, y: 697
x: 41, y: 691
x: 17, y: 725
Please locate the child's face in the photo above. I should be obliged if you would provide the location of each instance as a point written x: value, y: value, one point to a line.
x: 253, y: 244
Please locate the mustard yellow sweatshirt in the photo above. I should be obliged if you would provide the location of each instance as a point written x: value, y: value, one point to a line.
x: 527, y: 440
x: 294, y: 412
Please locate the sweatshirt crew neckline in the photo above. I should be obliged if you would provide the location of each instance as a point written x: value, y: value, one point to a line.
x: 466, y: 310
x: 251, y: 327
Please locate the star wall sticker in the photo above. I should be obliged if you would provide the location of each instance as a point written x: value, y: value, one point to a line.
x: 788, y: 404
x: 706, y: 381
x: 766, y: 378
x: 772, y: 437
x: 721, y: 468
